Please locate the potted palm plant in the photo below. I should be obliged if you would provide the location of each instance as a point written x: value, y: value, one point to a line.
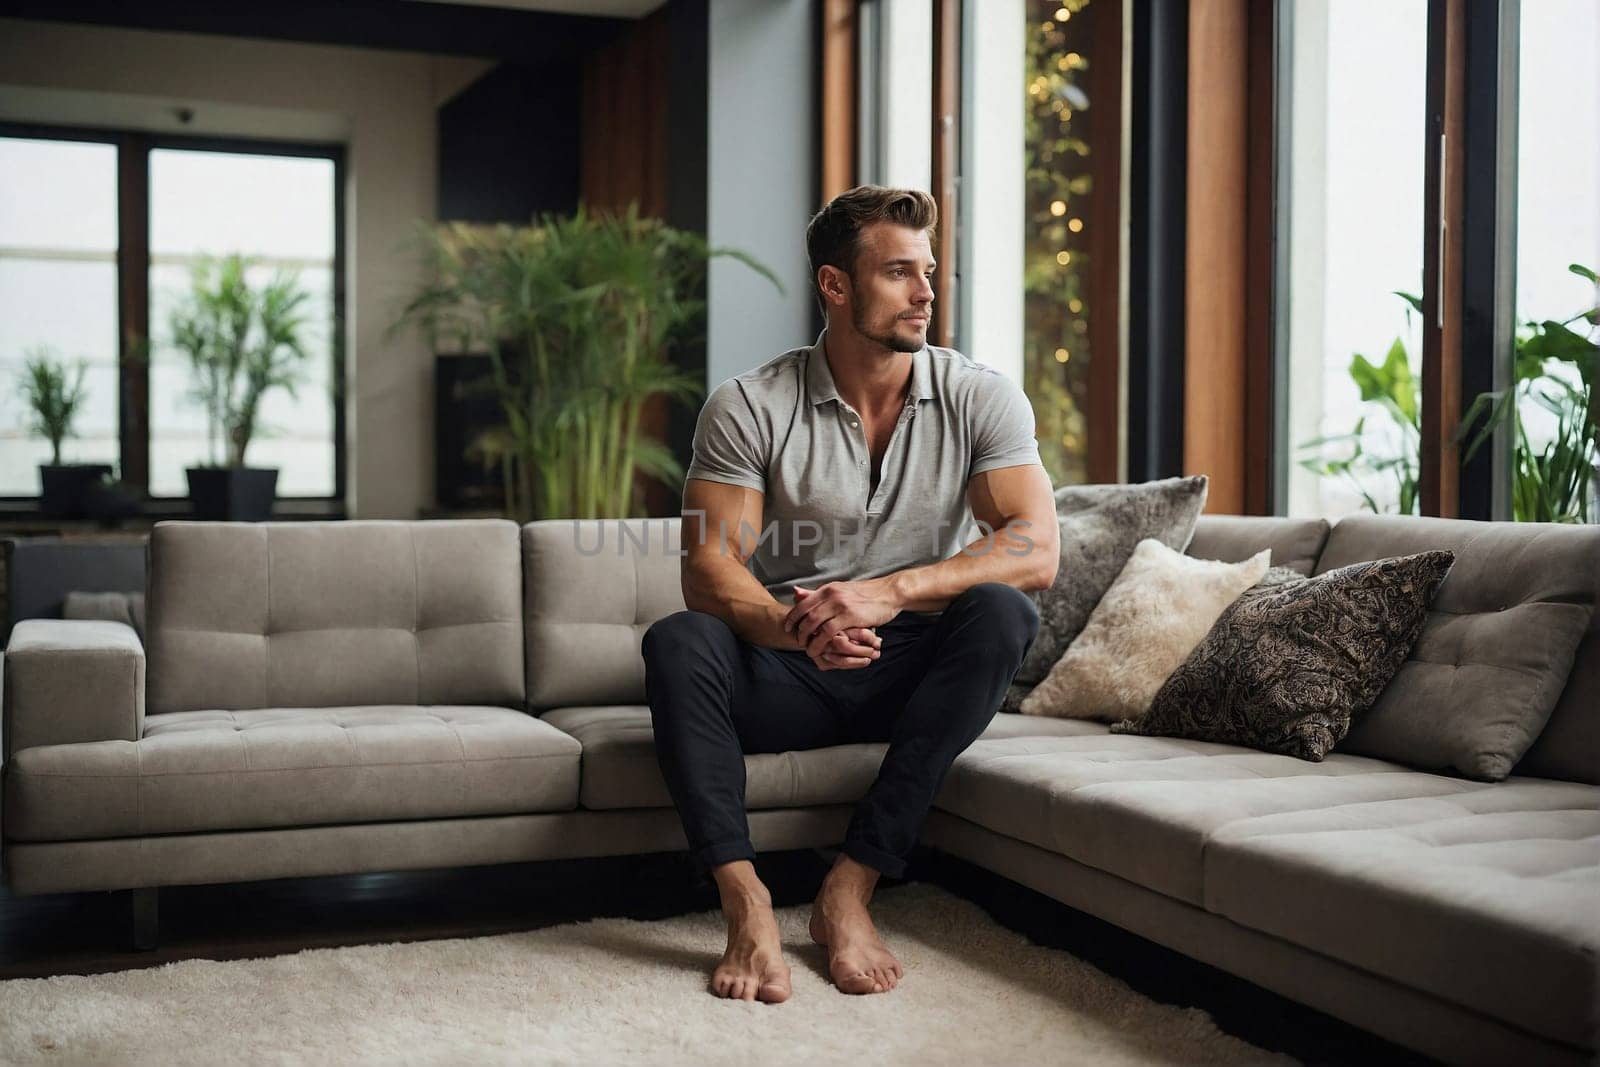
x: 55, y: 393
x: 578, y: 315
x: 241, y: 342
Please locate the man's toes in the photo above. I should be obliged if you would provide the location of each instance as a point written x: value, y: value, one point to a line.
x: 859, y: 982
x: 773, y: 992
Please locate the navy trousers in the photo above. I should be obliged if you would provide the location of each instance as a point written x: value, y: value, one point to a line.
x: 936, y: 685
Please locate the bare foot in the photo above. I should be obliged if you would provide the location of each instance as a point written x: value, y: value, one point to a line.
x: 752, y: 968
x: 858, y: 960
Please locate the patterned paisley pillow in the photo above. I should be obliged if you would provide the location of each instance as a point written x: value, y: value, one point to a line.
x: 1287, y: 667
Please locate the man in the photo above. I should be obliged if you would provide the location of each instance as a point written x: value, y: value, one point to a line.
x: 844, y: 473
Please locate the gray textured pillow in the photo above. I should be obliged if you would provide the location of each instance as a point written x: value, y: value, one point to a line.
x: 1286, y: 668
x: 1100, y: 527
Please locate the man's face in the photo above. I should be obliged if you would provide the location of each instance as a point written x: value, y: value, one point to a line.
x: 891, y: 289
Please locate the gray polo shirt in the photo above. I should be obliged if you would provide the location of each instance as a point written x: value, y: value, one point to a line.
x: 783, y: 429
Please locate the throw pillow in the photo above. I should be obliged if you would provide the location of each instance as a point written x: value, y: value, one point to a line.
x: 1100, y: 525
x: 1286, y: 669
x: 1151, y: 618
x: 1277, y: 576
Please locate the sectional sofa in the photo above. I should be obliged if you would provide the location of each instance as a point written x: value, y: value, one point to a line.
x: 325, y: 698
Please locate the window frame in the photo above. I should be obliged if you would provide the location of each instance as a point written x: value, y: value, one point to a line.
x: 1469, y: 251
x: 133, y: 303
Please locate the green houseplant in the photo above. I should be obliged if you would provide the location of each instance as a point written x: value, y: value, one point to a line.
x: 579, y: 315
x: 1549, y: 483
x: 241, y: 341
x: 54, y: 393
x: 1393, y: 396
x: 1555, y: 365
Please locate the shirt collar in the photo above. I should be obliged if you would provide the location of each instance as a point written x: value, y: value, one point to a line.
x: 819, y: 379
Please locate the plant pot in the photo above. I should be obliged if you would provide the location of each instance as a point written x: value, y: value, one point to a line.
x: 233, y: 494
x: 110, y: 502
x: 64, y: 489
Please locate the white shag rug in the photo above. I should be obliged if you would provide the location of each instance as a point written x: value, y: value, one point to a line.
x: 617, y: 991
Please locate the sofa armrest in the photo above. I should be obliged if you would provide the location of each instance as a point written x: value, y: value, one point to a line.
x: 69, y: 680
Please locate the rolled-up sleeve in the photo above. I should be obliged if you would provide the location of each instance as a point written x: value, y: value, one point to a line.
x: 1002, y: 425
x: 728, y: 444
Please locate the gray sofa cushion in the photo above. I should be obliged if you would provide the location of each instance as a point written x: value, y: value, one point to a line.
x: 70, y: 680
x: 620, y: 768
x: 1498, y: 645
x: 1100, y: 526
x: 1295, y: 543
x: 1144, y: 808
x: 221, y: 770
x: 1286, y: 667
x: 320, y: 614
x: 1488, y: 896
x: 591, y: 590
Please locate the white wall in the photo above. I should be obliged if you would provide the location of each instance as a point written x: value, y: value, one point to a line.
x: 763, y: 173
x: 381, y: 104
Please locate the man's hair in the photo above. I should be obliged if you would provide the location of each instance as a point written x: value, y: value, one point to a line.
x: 833, y: 237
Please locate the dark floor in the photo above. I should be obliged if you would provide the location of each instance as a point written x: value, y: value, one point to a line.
x: 87, y: 933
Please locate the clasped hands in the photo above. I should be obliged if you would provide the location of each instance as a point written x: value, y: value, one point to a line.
x: 836, y: 622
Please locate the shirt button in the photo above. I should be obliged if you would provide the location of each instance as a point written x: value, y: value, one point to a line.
x: 854, y: 423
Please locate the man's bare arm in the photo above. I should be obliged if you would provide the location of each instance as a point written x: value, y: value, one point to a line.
x: 720, y: 526
x: 1023, y: 551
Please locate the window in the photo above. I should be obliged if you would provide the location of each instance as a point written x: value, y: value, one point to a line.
x: 279, y: 211
x: 58, y: 295
x: 62, y: 239
x: 1558, y: 225
x: 1058, y: 184
x: 1354, y: 156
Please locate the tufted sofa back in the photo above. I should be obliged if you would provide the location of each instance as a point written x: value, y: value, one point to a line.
x: 593, y: 586
x: 322, y: 614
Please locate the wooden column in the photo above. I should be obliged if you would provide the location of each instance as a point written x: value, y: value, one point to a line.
x: 623, y: 128
x: 623, y: 159
x: 1103, y: 240
x: 838, y: 86
x: 1261, y: 251
x: 1216, y: 255
x: 1439, y: 479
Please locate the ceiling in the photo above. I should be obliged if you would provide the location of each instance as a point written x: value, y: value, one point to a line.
x: 625, y: 9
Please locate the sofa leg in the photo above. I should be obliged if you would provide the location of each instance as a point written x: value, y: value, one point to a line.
x: 146, y: 918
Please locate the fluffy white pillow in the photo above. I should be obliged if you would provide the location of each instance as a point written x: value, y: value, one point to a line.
x: 1155, y: 613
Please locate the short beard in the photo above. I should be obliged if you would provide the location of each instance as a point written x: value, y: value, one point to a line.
x: 890, y: 340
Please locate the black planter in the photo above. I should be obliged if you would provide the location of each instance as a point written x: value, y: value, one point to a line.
x: 64, y: 490
x: 233, y: 494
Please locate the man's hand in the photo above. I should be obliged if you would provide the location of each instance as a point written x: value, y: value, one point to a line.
x: 819, y: 614
x: 850, y: 649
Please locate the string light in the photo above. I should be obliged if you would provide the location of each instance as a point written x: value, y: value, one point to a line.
x: 1063, y: 258
x: 1075, y: 225
x: 1062, y: 355
x: 1058, y: 208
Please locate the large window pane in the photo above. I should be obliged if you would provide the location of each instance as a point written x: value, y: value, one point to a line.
x: 1058, y: 184
x: 58, y: 294
x: 1356, y: 142
x: 280, y: 212
x: 1558, y: 224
